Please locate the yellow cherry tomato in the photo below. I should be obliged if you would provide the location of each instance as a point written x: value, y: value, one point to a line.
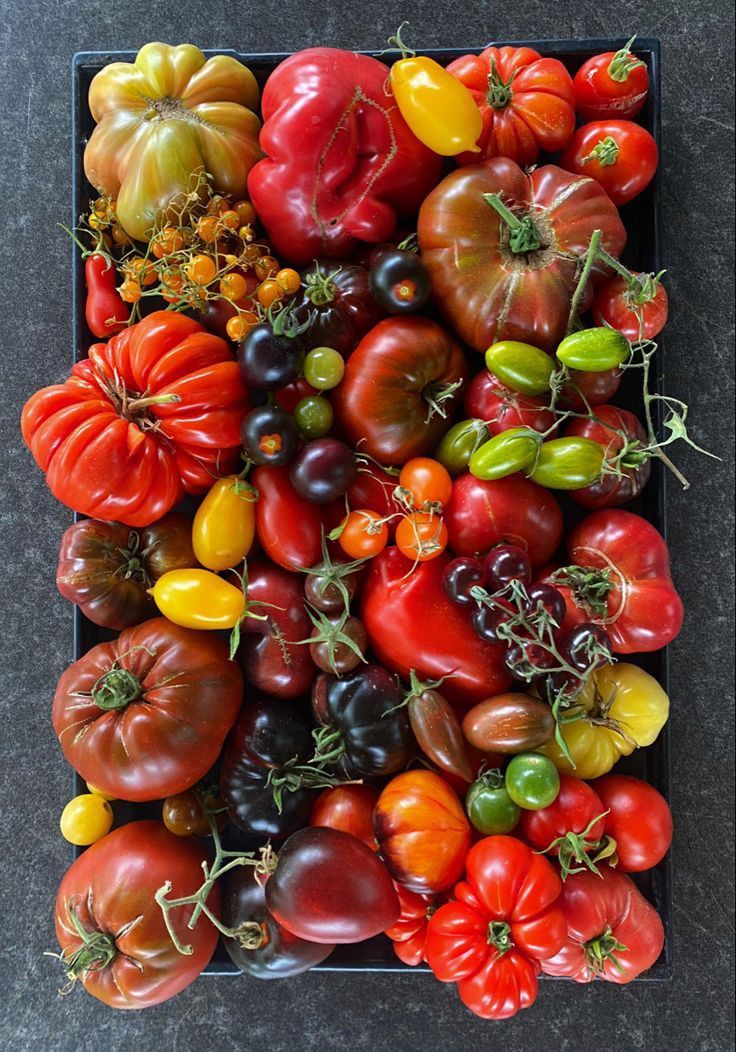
x: 224, y: 526
x: 626, y: 709
x: 99, y: 792
x: 198, y: 599
x: 438, y: 108
x: 86, y: 819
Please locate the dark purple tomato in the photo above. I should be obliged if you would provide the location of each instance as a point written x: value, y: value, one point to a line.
x: 400, y: 282
x: 332, y: 585
x: 269, y: 435
x: 331, y: 651
x: 554, y: 684
x: 487, y: 620
x: 528, y: 661
x: 549, y: 598
x: 460, y: 576
x: 267, y: 360
x: 585, y: 646
x: 506, y: 563
x: 323, y: 470
x: 337, y: 302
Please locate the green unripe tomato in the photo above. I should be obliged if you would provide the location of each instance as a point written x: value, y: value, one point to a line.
x: 594, y: 350
x: 568, y: 463
x: 520, y: 366
x: 324, y: 368
x: 504, y: 454
x: 532, y: 781
x: 313, y: 416
x: 459, y: 444
x: 489, y: 806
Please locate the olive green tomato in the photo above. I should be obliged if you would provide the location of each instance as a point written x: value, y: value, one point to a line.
x: 313, y: 416
x: 324, y: 368
x: 520, y: 366
x: 459, y: 444
x: 532, y: 781
x: 568, y: 463
x: 504, y: 454
x: 489, y: 806
x: 594, y: 350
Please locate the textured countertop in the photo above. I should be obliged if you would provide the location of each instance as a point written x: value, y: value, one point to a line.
x: 358, y: 1012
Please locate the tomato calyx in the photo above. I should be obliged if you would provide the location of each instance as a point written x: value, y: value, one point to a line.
x: 623, y: 62
x: 436, y: 394
x: 602, y: 948
x: 499, y: 936
x: 118, y: 687
x: 97, y: 951
x: 331, y: 573
x: 576, y: 852
x: 642, y: 289
x: 524, y: 235
x: 253, y: 936
x: 590, y: 588
x: 499, y: 93
x: 133, y: 406
x: 320, y: 288
x: 605, y: 153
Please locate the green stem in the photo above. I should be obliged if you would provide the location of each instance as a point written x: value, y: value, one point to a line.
x: 623, y: 62
x: 499, y: 935
x: 605, y: 153
x: 116, y: 689
x: 594, y: 251
x: 524, y: 236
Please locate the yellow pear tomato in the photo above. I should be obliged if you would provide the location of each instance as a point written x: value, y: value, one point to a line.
x: 224, y: 526
x: 198, y: 599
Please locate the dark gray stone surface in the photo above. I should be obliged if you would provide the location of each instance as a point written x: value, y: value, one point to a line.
x: 332, y: 1012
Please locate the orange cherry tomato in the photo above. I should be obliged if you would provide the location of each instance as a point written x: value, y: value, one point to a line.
x: 201, y: 269
x: 421, y: 536
x: 268, y: 291
x: 349, y: 808
x: 422, y: 832
x: 130, y: 291
x: 207, y: 228
x: 427, y: 480
x: 364, y: 535
x: 141, y: 270
x: 167, y: 241
x: 230, y: 219
x: 239, y: 326
x: 266, y: 267
x: 246, y: 212
x: 289, y: 280
x: 233, y: 286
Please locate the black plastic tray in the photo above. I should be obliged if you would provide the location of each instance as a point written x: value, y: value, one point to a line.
x: 642, y: 219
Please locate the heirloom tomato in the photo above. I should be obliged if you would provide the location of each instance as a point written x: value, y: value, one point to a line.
x: 509, y: 723
x: 288, y: 526
x: 337, y: 301
x: 409, y: 933
x: 572, y: 828
x: 107, y: 569
x: 638, y: 306
x: 622, y: 438
x: 504, y: 920
x: 459, y: 444
x: 153, y: 413
x: 399, y: 389
x: 613, y: 933
x: 596, y: 350
x: 162, y: 121
x: 86, y: 819
x: 614, y: 84
x: 500, y: 408
x: 329, y: 887
x: 511, y: 276
x: 412, y: 624
x: 199, y: 599
x: 422, y: 832
x: 437, y: 730
x: 489, y: 806
x: 104, y: 310
x: 525, y: 101
x: 532, y: 781
x: 145, y: 716
x: 568, y: 463
x: 620, y: 155
x: 639, y: 820
x: 349, y: 808
x: 399, y: 281
x: 583, y: 390
x: 112, y: 932
x: 624, y: 709
x: 224, y: 524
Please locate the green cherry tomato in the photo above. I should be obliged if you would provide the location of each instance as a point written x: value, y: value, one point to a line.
x: 324, y: 368
x: 568, y: 463
x: 459, y: 445
x: 489, y: 806
x: 520, y: 366
x: 504, y: 454
x: 313, y: 416
x: 532, y: 781
x: 594, y: 350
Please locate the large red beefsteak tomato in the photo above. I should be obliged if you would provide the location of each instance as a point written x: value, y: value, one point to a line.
x: 153, y: 413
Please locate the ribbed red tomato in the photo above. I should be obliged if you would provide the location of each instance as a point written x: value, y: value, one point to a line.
x: 409, y: 933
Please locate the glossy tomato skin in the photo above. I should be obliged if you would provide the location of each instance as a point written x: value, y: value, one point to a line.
x: 263, y: 742
x: 422, y: 831
x: 105, y: 456
x: 513, y: 510
x: 510, y: 895
x: 329, y: 887
x: 179, y: 699
x: 382, y: 403
x: 409, y: 933
x: 526, y: 103
x: 576, y: 809
x: 337, y: 299
x: 107, y: 568
x: 485, y: 291
x: 599, y: 95
x: 288, y: 526
x: 589, y: 389
x: 623, y: 175
x: 281, y: 954
x: 439, y: 735
x: 118, y: 877
x: 373, y: 489
x: 349, y: 808
x: 268, y: 657
x: 487, y: 399
x: 611, y: 429
x: 594, y: 905
x: 639, y: 820
x: 412, y: 624
x: 613, y: 305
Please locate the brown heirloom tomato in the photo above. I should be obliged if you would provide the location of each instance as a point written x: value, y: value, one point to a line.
x: 145, y: 717
x: 493, y: 282
x: 107, y: 568
x: 400, y: 387
x: 112, y: 931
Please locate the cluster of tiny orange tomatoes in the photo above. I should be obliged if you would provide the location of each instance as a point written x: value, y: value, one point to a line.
x: 209, y: 252
x: 424, y: 487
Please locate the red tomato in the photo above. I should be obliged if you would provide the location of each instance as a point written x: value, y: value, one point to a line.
x: 613, y: 933
x: 620, y: 155
x: 288, y: 526
x: 373, y: 489
x: 146, y: 716
x: 290, y: 396
x: 639, y: 310
x: 349, y: 808
x: 513, y: 510
x: 614, y: 84
x: 589, y: 389
x: 526, y: 103
x: 113, y: 453
x: 409, y: 933
x: 487, y: 399
x: 104, y: 310
x: 639, y: 820
x: 505, y: 920
x: 422, y: 832
x: 615, y: 430
x: 412, y: 624
x: 110, y: 890
x: 577, y: 811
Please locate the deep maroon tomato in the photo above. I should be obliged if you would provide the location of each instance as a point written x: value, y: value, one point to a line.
x: 330, y: 650
x: 638, y: 308
x: 639, y: 820
x: 323, y: 470
x: 400, y: 282
x: 620, y: 155
x: 616, y: 430
x: 589, y: 389
x: 585, y: 646
x: 269, y: 435
x: 460, y: 576
x: 487, y: 399
x: 289, y: 397
x: 337, y: 299
x: 506, y: 563
x: 549, y: 599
